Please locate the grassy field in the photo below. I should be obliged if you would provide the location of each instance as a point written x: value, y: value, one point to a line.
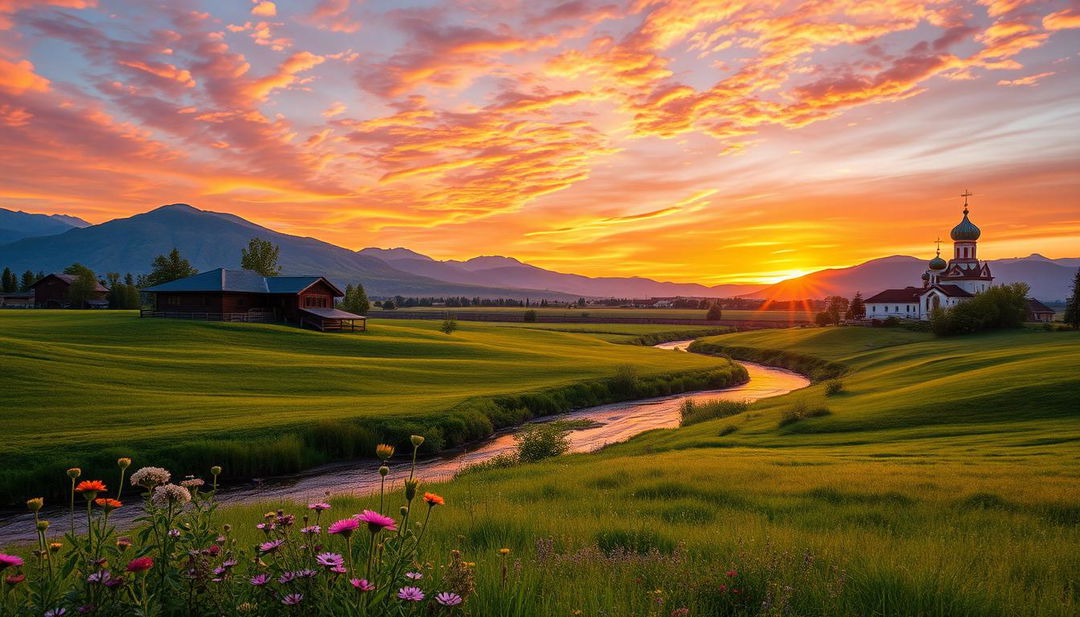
x: 665, y: 313
x: 942, y: 480
x: 84, y: 386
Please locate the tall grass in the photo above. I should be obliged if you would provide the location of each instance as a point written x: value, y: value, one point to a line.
x: 693, y: 412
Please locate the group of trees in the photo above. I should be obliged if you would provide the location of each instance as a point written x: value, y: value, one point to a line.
x: 355, y: 300
x: 12, y: 283
x: 839, y: 308
x: 1072, y: 307
x: 1001, y: 306
x: 463, y: 301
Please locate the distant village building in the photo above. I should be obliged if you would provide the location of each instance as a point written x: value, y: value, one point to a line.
x: 945, y: 284
x: 17, y: 299
x: 54, y: 291
x: 242, y: 295
x: 1037, y: 311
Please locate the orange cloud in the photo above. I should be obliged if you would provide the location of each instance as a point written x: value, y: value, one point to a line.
x: 264, y: 9
x: 1030, y: 80
x: 19, y: 77
x: 285, y: 75
x: 163, y: 70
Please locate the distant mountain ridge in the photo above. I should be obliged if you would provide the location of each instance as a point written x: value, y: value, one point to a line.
x: 16, y: 224
x: 496, y: 270
x: 1050, y: 279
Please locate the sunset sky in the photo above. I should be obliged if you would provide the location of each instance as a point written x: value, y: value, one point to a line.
x: 686, y: 140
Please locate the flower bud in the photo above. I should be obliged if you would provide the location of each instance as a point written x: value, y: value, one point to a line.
x: 404, y: 510
x: 123, y: 463
x: 416, y: 440
x: 410, y: 488
x: 384, y: 470
x: 42, y: 525
x: 34, y: 505
x: 384, y: 451
x: 55, y: 547
x: 215, y: 470
x: 74, y: 472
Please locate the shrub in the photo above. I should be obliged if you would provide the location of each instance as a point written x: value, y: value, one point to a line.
x: 890, y: 322
x: 448, y: 325
x: 1001, y: 306
x: 833, y: 387
x: 530, y: 316
x: 499, y: 461
x: 727, y: 430
x: 801, y: 410
x: 625, y: 381
x: 693, y: 412
x: 540, y: 441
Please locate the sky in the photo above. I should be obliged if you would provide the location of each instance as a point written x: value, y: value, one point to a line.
x: 690, y: 140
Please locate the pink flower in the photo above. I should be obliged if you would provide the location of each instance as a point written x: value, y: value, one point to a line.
x: 140, y: 564
x: 732, y: 573
x: 292, y: 599
x: 410, y: 594
x: 311, y: 529
x: 414, y: 575
x: 345, y: 527
x: 362, y: 584
x: 10, y: 561
x: 448, y: 599
x: 318, y: 507
x: 329, y: 560
x: 271, y: 546
x: 376, y: 522
x: 260, y: 579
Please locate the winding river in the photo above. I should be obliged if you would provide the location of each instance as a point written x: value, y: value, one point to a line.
x: 610, y: 423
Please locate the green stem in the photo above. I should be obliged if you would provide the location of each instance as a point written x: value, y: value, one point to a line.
x: 73, y: 506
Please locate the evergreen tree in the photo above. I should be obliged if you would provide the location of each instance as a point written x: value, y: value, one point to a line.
x: 261, y: 256
x: 1072, y: 308
x: 166, y: 268
x: 84, y: 287
x: 360, y: 305
x: 28, y: 279
x: 8, y: 281
x: 836, y: 308
x: 857, y: 308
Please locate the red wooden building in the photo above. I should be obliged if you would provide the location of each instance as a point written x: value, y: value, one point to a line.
x: 242, y: 295
x: 53, y: 291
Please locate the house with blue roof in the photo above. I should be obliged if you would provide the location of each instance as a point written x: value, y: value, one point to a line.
x: 243, y: 295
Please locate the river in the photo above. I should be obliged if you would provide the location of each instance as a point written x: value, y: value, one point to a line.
x: 611, y: 423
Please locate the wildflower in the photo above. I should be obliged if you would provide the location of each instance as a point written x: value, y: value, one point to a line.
x: 384, y: 471
x: 447, y: 598
x: 101, y: 576
x: 140, y: 564
x: 149, y: 477
x: 376, y: 522
x: 338, y: 570
x: 107, y: 504
x: 318, y: 507
x: 311, y: 529
x: 414, y: 575
x: 362, y: 584
x: 15, y: 579
x: 504, y: 551
x: 74, y: 472
x: 329, y: 560
x: 90, y: 488
x: 228, y: 563
x: 35, y: 504
x: 410, y: 594
x: 56, y: 612
x: 434, y: 500
x: 306, y: 573
x: 416, y: 440
x: 266, y: 527
x: 260, y: 579
x: 410, y: 488
x: 286, y: 520
x: 170, y: 494
x: 292, y: 599
x: 10, y: 561
x: 174, y: 533
x: 123, y: 543
x: 123, y: 462
x: 192, y: 483
x: 680, y: 612
x: 286, y: 578
x: 87, y: 608
x: 55, y: 547
x: 384, y: 451
x: 271, y: 546
x: 732, y: 573
x: 115, y: 582
x: 42, y: 525
x: 345, y: 527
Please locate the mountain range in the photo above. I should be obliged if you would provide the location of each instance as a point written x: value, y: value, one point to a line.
x: 213, y: 239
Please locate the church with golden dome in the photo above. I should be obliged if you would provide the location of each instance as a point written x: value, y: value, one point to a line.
x: 944, y: 284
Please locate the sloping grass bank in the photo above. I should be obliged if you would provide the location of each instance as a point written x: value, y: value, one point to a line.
x: 817, y: 369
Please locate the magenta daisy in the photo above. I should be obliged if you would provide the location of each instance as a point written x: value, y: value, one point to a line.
x: 260, y: 579
x: 344, y: 527
x: 414, y: 576
x: 410, y: 594
x: 311, y: 529
x: 448, y: 599
x: 292, y: 599
x: 318, y: 507
x: 376, y: 522
x: 329, y: 560
x: 271, y: 546
x: 362, y: 584
x: 10, y: 561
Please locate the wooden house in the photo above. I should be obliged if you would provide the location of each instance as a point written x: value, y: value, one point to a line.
x: 54, y: 291
x: 1037, y: 311
x: 242, y: 295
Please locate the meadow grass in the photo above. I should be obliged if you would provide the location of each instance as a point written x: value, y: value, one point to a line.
x: 943, y: 482
x: 81, y: 388
x: 600, y: 312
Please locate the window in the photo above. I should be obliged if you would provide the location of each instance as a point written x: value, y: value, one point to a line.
x: 316, y: 302
x: 174, y: 300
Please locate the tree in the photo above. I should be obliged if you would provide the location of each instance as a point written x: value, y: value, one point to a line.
x: 166, y: 268
x: 823, y: 318
x: 1072, y: 308
x: 837, y: 306
x: 261, y: 256
x: 8, y: 281
x: 857, y: 308
x: 715, y: 313
x: 122, y: 292
x: 448, y: 325
x: 84, y: 287
x: 1001, y: 306
x: 389, y: 305
x: 28, y: 279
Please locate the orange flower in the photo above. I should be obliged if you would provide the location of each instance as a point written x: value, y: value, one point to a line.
x: 108, y: 504
x: 434, y: 500
x: 91, y: 486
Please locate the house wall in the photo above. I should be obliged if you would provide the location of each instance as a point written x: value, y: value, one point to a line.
x: 900, y: 310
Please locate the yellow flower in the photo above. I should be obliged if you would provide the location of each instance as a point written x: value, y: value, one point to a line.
x: 55, y: 547
x: 504, y: 551
x: 35, y: 504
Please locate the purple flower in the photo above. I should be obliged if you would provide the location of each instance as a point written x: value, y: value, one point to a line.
x: 362, y: 584
x: 101, y: 576
x: 56, y: 612
x: 306, y: 573
x: 286, y: 578
x: 292, y: 599
x: 174, y: 533
x: 318, y: 507
x: 376, y: 522
x: 410, y: 594
x: 329, y: 560
x: 414, y: 575
x: 260, y: 579
x: 345, y: 527
x: 114, y: 582
x: 311, y: 529
x: 448, y: 599
x: 269, y: 547
x: 228, y: 563
x: 10, y: 561
x: 338, y: 570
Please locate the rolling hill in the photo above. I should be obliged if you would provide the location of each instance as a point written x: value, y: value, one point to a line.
x: 1049, y: 278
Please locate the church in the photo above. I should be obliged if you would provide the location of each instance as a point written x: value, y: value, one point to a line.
x: 945, y: 284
